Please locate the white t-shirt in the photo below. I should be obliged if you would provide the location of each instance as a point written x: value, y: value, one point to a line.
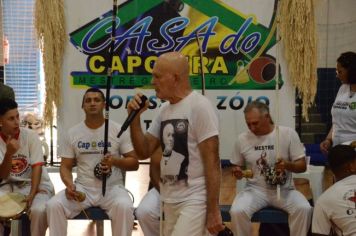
x: 343, y: 114
x: 29, y: 154
x: 257, y: 152
x: 336, y: 209
x: 194, y: 120
x: 87, y: 146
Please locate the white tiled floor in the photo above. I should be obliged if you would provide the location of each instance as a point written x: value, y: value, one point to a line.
x: 136, y: 182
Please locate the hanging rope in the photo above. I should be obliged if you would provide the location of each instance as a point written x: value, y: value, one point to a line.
x: 298, y: 33
x: 50, y: 32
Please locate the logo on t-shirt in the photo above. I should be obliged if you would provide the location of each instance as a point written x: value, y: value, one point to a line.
x: 342, y: 105
x: 352, y: 106
x: 181, y: 126
x: 350, y: 198
x: 271, y: 175
x: 19, y: 165
x: 91, y: 147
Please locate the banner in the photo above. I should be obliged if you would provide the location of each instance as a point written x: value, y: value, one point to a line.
x: 238, y: 39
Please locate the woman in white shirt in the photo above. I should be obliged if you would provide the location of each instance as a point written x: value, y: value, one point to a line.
x: 344, y: 108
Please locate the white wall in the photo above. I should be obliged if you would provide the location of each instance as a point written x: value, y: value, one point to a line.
x: 336, y: 25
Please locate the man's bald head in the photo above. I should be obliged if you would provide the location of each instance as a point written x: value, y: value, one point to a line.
x: 176, y: 63
x: 171, y: 77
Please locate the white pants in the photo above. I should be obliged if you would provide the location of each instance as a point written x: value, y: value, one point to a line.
x: 37, y: 213
x: 252, y: 199
x: 185, y: 218
x: 148, y: 212
x: 117, y: 204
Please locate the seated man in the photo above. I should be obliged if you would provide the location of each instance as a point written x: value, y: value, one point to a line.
x: 85, y: 144
x: 257, y: 150
x: 21, y: 171
x: 335, y: 210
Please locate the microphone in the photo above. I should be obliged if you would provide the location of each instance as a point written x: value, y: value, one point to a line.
x: 131, y: 116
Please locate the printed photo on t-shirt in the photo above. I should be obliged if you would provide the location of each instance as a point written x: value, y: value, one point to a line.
x: 175, y: 157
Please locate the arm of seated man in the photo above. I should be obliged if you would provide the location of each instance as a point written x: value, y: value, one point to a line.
x: 128, y: 163
x: 12, y: 145
x: 67, y: 177
x: 35, y: 182
x: 297, y: 166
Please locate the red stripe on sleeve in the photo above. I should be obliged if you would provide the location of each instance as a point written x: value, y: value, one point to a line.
x: 37, y: 164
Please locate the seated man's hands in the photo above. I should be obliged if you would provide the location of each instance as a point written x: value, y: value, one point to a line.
x: 29, y: 199
x: 281, y: 165
x: 106, y: 163
x: 237, y: 172
x: 12, y: 145
x: 71, y: 193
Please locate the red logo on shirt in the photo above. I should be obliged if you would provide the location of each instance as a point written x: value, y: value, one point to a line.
x: 353, y: 198
x: 350, y: 196
x: 19, y: 165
